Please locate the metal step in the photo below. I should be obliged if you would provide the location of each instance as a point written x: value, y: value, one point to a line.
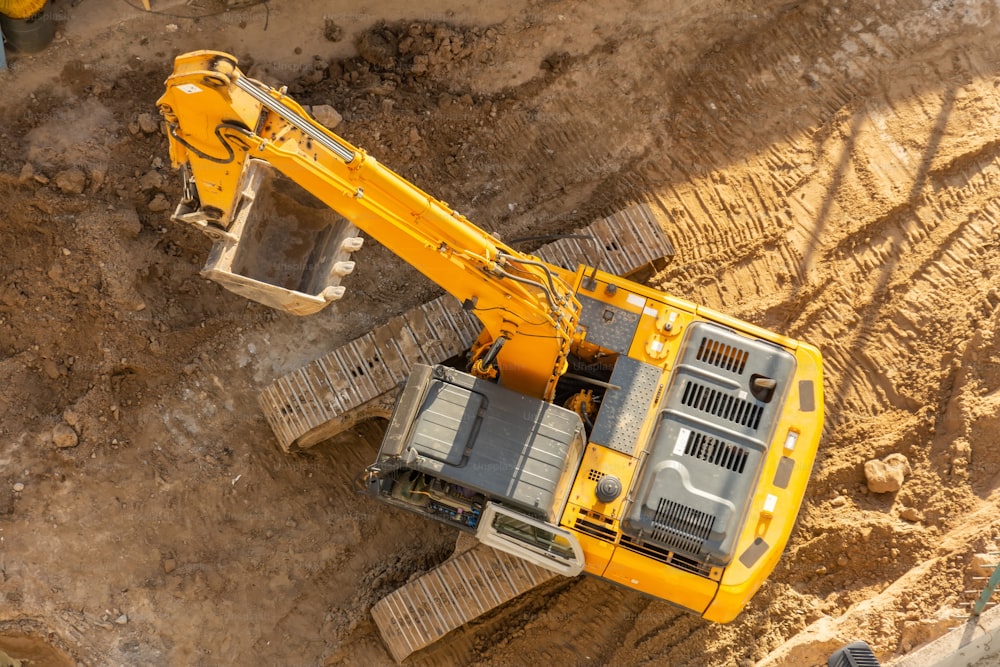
x: 358, y: 380
x: 459, y: 590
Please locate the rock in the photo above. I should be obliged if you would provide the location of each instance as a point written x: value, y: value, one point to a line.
x: 27, y: 173
x: 122, y: 620
x: 97, y: 173
x: 326, y: 115
x: 332, y: 32
x: 887, y: 475
x: 379, y: 47
x: 71, y: 180
x: 911, y: 514
x: 63, y: 436
x: 148, y: 123
x: 414, y: 136
x: 169, y: 565
x: 130, y: 222
x: 983, y: 564
x: 51, y: 369
x: 314, y: 76
x: 159, y: 203
x: 19, y: 487
x: 151, y: 180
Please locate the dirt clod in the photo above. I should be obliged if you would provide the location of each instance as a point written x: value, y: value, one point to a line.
x: 148, y: 123
x: 887, y: 475
x: 158, y: 203
x: 326, y: 115
x: 332, y: 32
x: 72, y: 180
x: 64, y: 436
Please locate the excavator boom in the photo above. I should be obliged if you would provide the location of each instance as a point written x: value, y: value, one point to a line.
x: 221, y: 122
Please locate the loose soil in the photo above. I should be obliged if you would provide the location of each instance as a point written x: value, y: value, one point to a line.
x: 830, y: 170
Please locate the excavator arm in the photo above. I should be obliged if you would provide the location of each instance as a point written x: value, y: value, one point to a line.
x: 220, y: 122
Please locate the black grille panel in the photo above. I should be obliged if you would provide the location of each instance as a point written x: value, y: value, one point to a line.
x: 595, y: 530
x: 721, y: 404
x: 717, y: 451
x: 727, y: 357
x: 681, y: 528
x: 664, y: 556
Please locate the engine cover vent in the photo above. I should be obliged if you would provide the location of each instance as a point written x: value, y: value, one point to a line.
x: 722, y: 404
x: 717, y: 451
x: 721, y: 355
x: 681, y: 528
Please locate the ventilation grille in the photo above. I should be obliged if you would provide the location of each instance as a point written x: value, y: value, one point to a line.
x: 717, y: 452
x: 592, y: 526
x: 595, y: 530
x: 726, y: 357
x: 720, y: 404
x: 668, y: 557
x: 855, y: 654
x: 681, y: 528
x: 595, y: 475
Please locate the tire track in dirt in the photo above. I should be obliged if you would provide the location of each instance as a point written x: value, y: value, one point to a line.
x: 945, y: 237
x: 889, y: 224
x: 817, y: 89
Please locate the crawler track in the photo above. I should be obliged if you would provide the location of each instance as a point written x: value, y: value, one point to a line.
x: 358, y: 380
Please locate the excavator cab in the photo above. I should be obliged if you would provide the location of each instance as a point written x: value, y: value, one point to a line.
x: 489, y: 461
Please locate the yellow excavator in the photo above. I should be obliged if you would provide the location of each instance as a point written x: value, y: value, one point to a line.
x: 601, y: 426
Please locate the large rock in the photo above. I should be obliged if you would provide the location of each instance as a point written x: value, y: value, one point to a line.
x: 159, y: 203
x: 326, y: 115
x: 71, y: 180
x: 887, y: 475
x: 63, y: 436
x: 148, y: 123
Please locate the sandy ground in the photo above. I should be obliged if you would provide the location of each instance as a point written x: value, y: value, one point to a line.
x: 830, y: 170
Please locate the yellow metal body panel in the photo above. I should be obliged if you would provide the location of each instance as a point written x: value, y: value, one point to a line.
x: 723, y: 592
x: 596, y: 552
x: 774, y: 524
x: 606, y: 461
x: 662, y: 581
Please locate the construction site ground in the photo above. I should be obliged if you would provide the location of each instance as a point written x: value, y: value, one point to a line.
x: 829, y: 169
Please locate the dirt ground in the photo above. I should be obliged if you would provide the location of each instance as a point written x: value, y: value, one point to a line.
x: 831, y: 170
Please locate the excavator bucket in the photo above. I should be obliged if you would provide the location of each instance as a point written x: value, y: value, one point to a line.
x: 284, y: 248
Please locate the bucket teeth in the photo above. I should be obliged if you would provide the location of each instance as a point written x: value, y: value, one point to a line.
x: 352, y: 244
x: 342, y: 269
x: 334, y: 293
